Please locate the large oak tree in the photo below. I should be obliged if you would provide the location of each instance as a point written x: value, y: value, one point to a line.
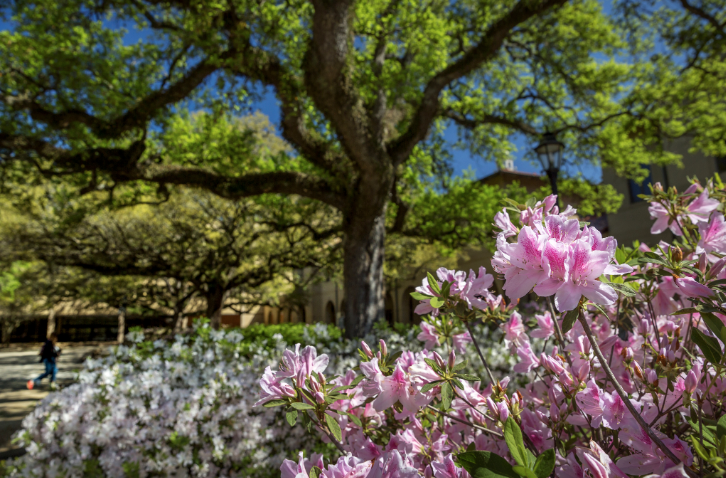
x: 364, y: 91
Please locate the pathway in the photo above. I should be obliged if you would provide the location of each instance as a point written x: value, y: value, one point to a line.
x: 18, y: 366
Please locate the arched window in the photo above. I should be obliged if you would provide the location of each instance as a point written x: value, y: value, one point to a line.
x: 330, y: 313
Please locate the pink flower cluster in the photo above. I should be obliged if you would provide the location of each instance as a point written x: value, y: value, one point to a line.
x: 625, y: 389
x: 472, y: 289
x: 555, y: 257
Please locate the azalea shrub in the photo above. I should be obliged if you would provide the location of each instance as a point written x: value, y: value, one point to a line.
x: 179, y: 407
x: 620, y: 372
x: 185, y: 406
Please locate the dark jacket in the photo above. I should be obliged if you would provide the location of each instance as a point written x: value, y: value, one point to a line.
x: 48, y: 351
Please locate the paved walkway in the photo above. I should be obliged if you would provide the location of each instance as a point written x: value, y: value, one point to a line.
x: 20, y: 365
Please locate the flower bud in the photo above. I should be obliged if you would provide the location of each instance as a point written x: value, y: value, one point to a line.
x: 384, y: 349
x: 716, y: 268
x: 439, y: 361
x: 366, y: 349
x: 452, y: 359
x: 691, y: 382
x: 702, y: 263
x: 671, y: 356
x: 658, y: 187
x: 676, y: 254
x: 638, y: 371
x: 651, y: 377
x: 582, y: 371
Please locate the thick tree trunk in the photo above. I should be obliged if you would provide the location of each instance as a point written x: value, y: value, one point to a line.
x: 121, y: 327
x: 178, y: 319
x: 50, y: 329
x: 215, y: 303
x: 363, y: 273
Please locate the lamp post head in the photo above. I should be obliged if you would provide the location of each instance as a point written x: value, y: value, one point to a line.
x: 549, y: 151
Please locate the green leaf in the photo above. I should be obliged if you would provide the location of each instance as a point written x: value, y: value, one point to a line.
x: 569, y: 320
x: 333, y: 427
x: 275, y: 403
x: 721, y: 427
x: 302, y: 406
x: 485, y: 464
x: 715, y: 324
x: 447, y: 395
x: 468, y: 378
x: 445, y: 289
x: 688, y: 310
x: 315, y: 472
x: 653, y: 258
x: 420, y: 296
x: 708, y: 345
x: 437, y: 302
x: 291, y: 417
x: 433, y: 283
x: 515, y: 441
x: 432, y: 363
x: 460, y: 366
x: 699, y: 449
x: 429, y: 386
x: 355, y: 419
x: 545, y: 463
x: 624, y: 289
x: 524, y: 472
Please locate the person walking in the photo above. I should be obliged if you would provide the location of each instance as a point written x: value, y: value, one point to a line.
x: 48, y: 355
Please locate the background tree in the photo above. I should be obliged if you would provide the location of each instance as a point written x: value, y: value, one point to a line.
x: 365, y: 90
x: 683, y: 43
x: 196, y: 243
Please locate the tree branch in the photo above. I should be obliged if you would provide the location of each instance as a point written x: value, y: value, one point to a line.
x: 483, y: 52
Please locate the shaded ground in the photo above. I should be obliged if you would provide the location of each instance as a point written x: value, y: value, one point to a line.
x: 17, y: 366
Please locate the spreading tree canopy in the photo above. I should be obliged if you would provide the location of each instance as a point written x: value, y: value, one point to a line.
x: 94, y: 92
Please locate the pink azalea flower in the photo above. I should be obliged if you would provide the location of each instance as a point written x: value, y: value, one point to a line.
x: 393, y: 466
x: 514, y: 329
x: 675, y: 472
x: 272, y: 388
x: 447, y: 469
x: 526, y: 257
x: 546, y: 326
x: 290, y: 469
x: 700, y: 209
x: 573, y: 273
x: 502, y: 221
x: 527, y: 359
x: 460, y: 341
x: 599, y: 464
x: 300, y: 365
x: 590, y: 401
x: 397, y: 387
x: 713, y: 236
x: 662, y: 220
x: 348, y: 467
x: 428, y: 335
x: 690, y: 288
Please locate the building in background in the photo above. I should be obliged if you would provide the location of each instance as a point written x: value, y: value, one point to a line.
x: 632, y: 221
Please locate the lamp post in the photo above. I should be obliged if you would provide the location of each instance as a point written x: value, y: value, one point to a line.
x: 549, y: 153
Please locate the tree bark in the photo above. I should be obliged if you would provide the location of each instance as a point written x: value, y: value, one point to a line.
x: 215, y: 303
x: 178, y: 319
x: 363, y: 274
x: 121, y: 327
x: 51, y: 324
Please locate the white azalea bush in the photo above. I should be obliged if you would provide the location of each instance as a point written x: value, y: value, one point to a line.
x: 184, y: 407
x: 180, y: 408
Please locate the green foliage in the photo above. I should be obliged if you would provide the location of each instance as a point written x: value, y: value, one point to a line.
x: 291, y: 333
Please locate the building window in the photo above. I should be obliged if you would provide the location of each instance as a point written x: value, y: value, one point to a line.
x: 721, y: 164
x: 640, y: 188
